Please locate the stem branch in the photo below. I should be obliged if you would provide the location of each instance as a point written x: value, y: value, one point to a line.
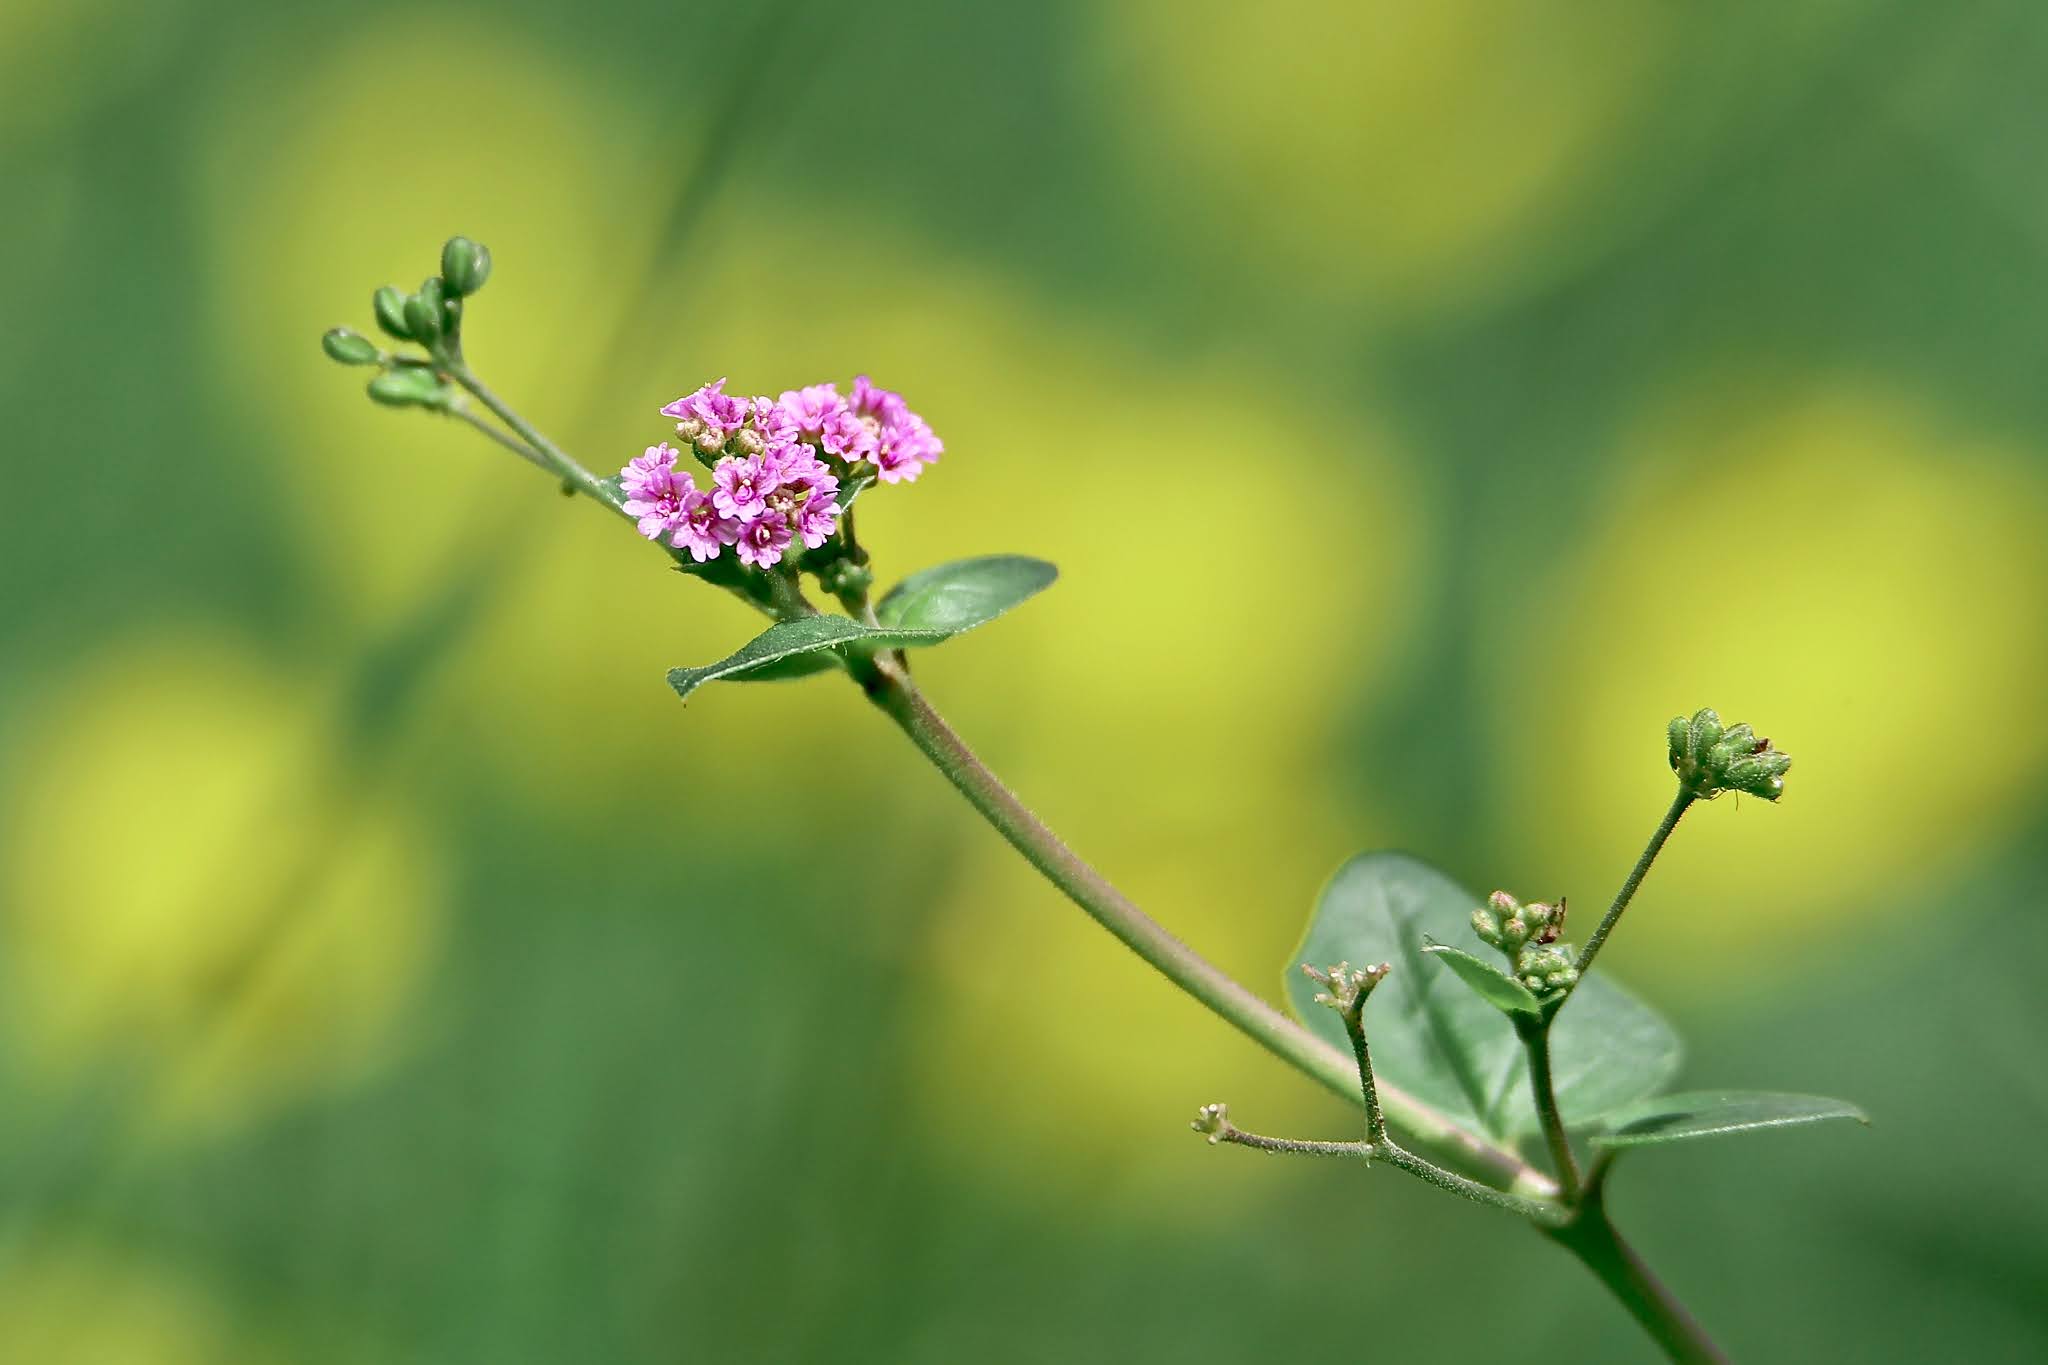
x: 1635, y: 880
x: 1591, y: 1236
x: 894, y: 693
x: 1536, y: 1039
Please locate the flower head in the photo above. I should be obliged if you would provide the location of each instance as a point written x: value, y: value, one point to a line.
x: 1711, y: 759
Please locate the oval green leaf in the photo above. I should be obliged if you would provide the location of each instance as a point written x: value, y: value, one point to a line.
x: 1493, y: 985
x: 1437, y: 1039
x: 964, y: 594
x: 925, y: 609
x: 1711, y: 1113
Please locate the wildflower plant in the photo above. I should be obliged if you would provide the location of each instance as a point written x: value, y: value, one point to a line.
x: 1517, y: 1086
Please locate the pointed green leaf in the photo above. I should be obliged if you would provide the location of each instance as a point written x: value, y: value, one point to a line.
x: 925, y: 609
x: 1494, y: 986
x: 1710, y: 1113
x: 964, y: 594
x: 1437, y: 1039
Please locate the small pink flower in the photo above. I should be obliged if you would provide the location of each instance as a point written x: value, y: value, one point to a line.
x: 817, y: 519
x: 648, y: 474
x: 699, y: 529
x: 904, y: 448
x: 811, y: 408
x: 849, y: 436
x: 776, y: 423
x: 742, y: 487
x: 883, y: 405
x: 762, y: 540
x: 720, y: 414
x: 658, y: 507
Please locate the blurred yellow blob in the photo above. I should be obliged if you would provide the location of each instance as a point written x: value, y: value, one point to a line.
x: 192, y: 888
x: 1838, y: 566
x: 75, y: 1305
x: 1406, y: 153
x: 541, y: 166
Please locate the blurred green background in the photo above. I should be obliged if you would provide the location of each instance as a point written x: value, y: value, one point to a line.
x: 1424, y: 403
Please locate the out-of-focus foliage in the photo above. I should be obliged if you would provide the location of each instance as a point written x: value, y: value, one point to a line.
x: 1423, y: 404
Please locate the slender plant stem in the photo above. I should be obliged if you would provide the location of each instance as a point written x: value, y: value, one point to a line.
x: 1536, y: 1040
x: 1368, y: 1090
x: 503, y: 438
x: 1635, y: 880
x: 1293, y: 1146
x: 1591, y: 1236
x: 557, y: 460
x: 895, y: 695
x: 1544, y: 1213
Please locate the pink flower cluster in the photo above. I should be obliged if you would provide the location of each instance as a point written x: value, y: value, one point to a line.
x: 776, y: 467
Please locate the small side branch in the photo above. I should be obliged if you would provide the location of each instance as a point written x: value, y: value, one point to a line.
x: 1213, y: 1122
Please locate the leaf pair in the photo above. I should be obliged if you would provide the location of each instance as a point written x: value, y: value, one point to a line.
x: 926, y: 608
x: 1440, y: 1028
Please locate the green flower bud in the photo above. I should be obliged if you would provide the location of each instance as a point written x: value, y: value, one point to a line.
x: 350, y: 347
x: 1487, y: 926
x: 465, y: 265
x: 414, y: 386
x: 1544, y: 969
x: 423, y: 313
x: 389, y: 306
x: 1710, y: 759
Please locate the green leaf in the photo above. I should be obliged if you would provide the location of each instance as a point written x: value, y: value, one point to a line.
x: 964, y: 594
x: 925, y: 609
x: 1494, y: 986
x: 1435, y: 1038
x: 1710, y: 1113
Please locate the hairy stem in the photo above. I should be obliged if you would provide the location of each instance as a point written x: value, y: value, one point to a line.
x: 1238, y: 1137
x: 1368, y: 1090
x: 1536, y: 1040
x: 895, y: 695
x: 1635, y: 880
x: 1543, y: 1212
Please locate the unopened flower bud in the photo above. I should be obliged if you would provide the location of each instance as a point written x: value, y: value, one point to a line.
x: 1710, y: 759
x: 1486, y: 926
x: 709, y: 439
x: 465, y: 265
x: 414, y: 386
x: 749, y: 441
x: 350, y: 347
x: 389, y: 306
x: 423, y: 315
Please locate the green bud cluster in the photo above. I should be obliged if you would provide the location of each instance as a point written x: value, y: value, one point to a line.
x: 431, y: 317
x: 1710, y: 758
x: 1527, y: 936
